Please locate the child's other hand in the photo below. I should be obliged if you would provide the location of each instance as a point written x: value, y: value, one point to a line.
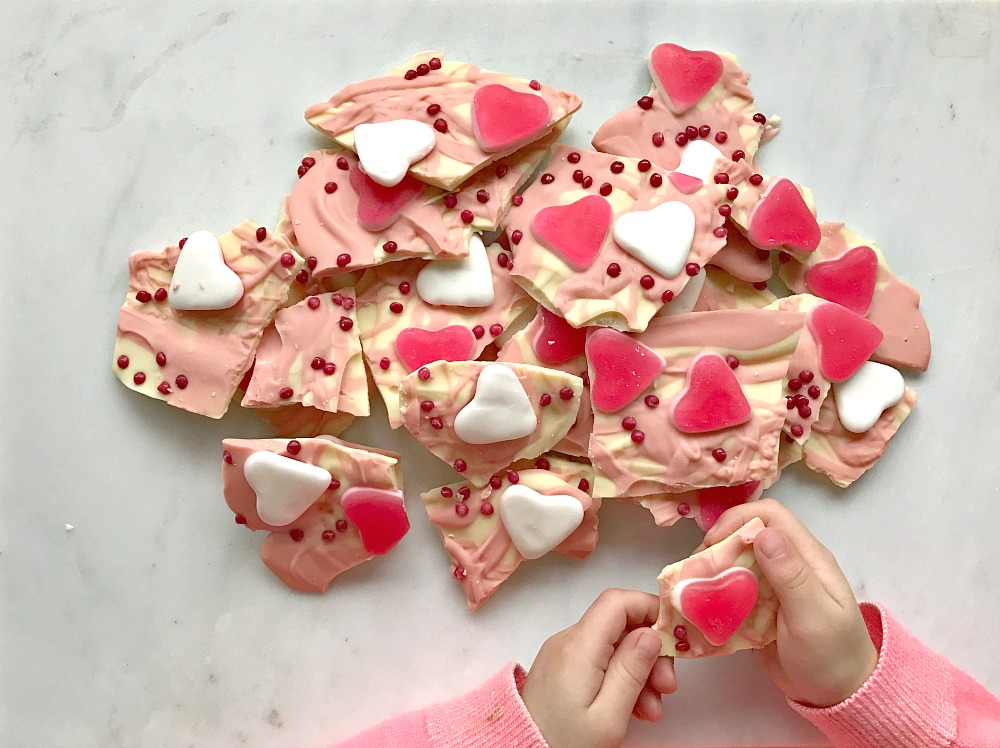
x: 823, y: 653
x: 588, y: 680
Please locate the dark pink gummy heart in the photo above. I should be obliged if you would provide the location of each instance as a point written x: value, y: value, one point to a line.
x: 845, y: 339
x: 504, y: 119
x: 712, y: 398
x: 575, y: 231
x: 719, y: 606
x: 557, y: 341
x: 683, y: 75
x: 782, y: 219
x: 848, y: 280
x: 620, y: 368
x: 417, y: 347
x: 713, y: 501
x: 379, y: 515
x: 380, y: 206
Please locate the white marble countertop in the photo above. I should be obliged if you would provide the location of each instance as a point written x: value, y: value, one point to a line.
x: 153, y: 623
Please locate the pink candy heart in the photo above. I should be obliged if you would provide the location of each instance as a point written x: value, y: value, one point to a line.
x: 417, y: 347
x: 504, y: 119
x: 378, y: 206
x: 715, y: 500
x: 846, y: 340
x: 684, y: 76
x: 379, y: 514
x: 783, y: 219
x: 848, y: 280
x: 712, y: 398
x: 556, y: 340
x: 576, y: 231
x: 620, y: 369
x: 719, y: 606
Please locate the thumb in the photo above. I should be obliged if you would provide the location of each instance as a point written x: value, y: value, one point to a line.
x: 627, y: 673
x: 794, y: 582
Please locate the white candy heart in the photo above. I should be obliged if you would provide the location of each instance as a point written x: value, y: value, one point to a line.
x: 538, y: 523
x: 499, y: 411
x: 660, y: 237
x: 862, y: 398
x: 684, y: 302
x: 464, y: 281
x: 698, y: 160
x: 285, y: 487
x: 202, y: 280
x: 387, y: 149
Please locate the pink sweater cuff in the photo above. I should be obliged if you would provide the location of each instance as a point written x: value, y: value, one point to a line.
x: 908, y: 700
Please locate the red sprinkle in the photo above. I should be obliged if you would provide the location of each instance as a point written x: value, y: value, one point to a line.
x: 566, y: 393
x: 346, y: 323
x: 517, y: 200
x: 433, y: 109
x: 139, y: 377
x: 760, y: 118
x: 311, y: 262
x: 343, y: 260
x: 617, y: 167
x: 328, y: 536
x: 721, y: 137
x: 719, y: 454
x: 410, y: 75
x: 732, y: 361
x: 692, y: 269
x: 460, y: 465
x: 465, y: 492
x: 682, y: 646
x: 478, y: 331
x: 732, y: 193
x: 123, y: 362
x: 542, y: 464
x: 293, y: 447
x: 317, y: 363
x: 496, y: 481
x: 301, y: 171
x: 725, y: 210
x: 423, y: 373
x: 513, y: 477
x: 720, y: 231
x: 227, y: 457
x: 814, y: 391
x: 161, y: 358
x: 760, y: 285
x: 691, y: 131
x: 461, y: 509
x: 436, y: 423
x: 342, y: 164
x: 797, y: 430
x: 646, y: 102
x: 704, y: 131
x: 655, y: 180
x: 515, y: 236
x: 547, y: 178
x: 681, y: 139
x: 440, y: 125
x: 806, y: 376
x: 722, y: 178
x: 583, y: 485
x: 458, y: 573
x: 287, y: 259
x: 383, y: 363
x: 795, y: 385
x: 739, y: 155
x: 545, y: 399
x: 605, y: 189
x: 163, y: 388
x: 645, y: 165
x: 503, y: 259
x: 638, y: 437
x: 647, y: 282
x: 285, y: 392
x: 763, y: 254
x: 667, y: 296
x: 302, y: 276
x: 240, y: 519
x: 684, y: 509
x: 313, y: 302
x: 587, y: 182
x: 628, y: 423
x: 447, y: 493
x: 427, y: 405
x: 262, y: 232
x: 160, y: 294
x: 500, y: 170
x: 495, y: 329
x: 534, y: 85
x: 396, y: 307
x: 181, y: 243
x: 483, y: 196
x: 144, y: 297
x: 467, y: 216
x: 486, y: 509
x: 450, y: 200
x: 390, y: 247
x: 680, y: 632
x: 423, y: 68
x: 434, y: 63
x: 574, y: 158
x: 404, y: 288
x: 755, y: 179
x: 657, y: 139
x: 329, y: 368
x: 614, y: 269
x: 341, y: 525
x: 296, y: 534
x: 652, y: 401
x: 805, y: 411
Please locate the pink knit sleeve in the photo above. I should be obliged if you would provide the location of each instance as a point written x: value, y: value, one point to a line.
x: 492, y: 716
x: 914, y: 699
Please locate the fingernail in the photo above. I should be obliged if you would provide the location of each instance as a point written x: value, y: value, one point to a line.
x: 772, y: 544
x: 648, y: 643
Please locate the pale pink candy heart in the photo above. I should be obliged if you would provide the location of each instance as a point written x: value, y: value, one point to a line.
x: 202, y: 280
x: 621, y: 368
x: 712, y: 398
x: 782, y: 218
x: 537, y: 522
x: 660, y: 237
x: 846, y: 340
x: 576, y: 231
x: 499, y: 410
x: 717, y: 606
x: 848, y: 280
x: 862, y: 399
x: 417, y: 347
x: 682, y: 75
x: 378, y: 206
x: 379, y: 514
x: 504, y: 119
x: 285, y: 487
x: 387, y: 149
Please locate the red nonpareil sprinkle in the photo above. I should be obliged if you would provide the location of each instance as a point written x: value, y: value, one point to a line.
x: 343, y: 260
x: 732, y: 361
x: 732, y: 193
x: 760, y: 285
x: 681, y: 139
x: 655, y: 179
x: 227, y: 457
x: 545, y: 399
x: 684, y: 509
x: 784, y: 257
x: 495, y: 329
x: 313, y: 302
x: 760, y: 119
x: 301, y: 171
x: 433, y: 109
x: 721, y: 137
x: 789, y: 402
x: 396, y: 307
x: 410, y: 75
x: 404, y: 288
x: 503, y: 259
x: 801, y: 399
x: 500, y: 170
x: 436, y: 423
x: 739, y: 155
x: 317, y: 363
x: 423, y: 68
x: 657, y: 139
x: 517, y: 200
x: 434, y: 63
x: 123, y: 362
x: 287, y: 259
x: 566, y: 393
x: 461, y: 509
x: 814, y: 391
x: 628, y: 423
x: 644, y: 165
x: 328, y: 536
x: 334, y: 485
x: 605, y: 189
x: 573, y: 158
x: 447, y: 493
x: 638, y: 437
x: 483, y: 196
x: 262, y: 232
x: 293, y: 447
x: 163, y: 388
x: 805, y: 411
x: 423, y: 373
x: 427, y: 405
x: 534, y: 85
x: 719, y: 454
x: 542, y: 463
x: 341, y: 525
x: 486, y: 509
x: 450, y: 200
x: 346, y: 323
x: 465, y: 492
x: 330, y: 188
x: 679, y: 631
x: 667, y: 296
x: 720, y: 231
x: 495, y: 482
x: 296, y: 534
x: 755, y: 179
x: 181, y: 243
x: 513, y: 477
x: 311, y: 262
x: 515, y: 236
x: 547, y: 178
x: 460, y: 465
x: 725, y: 210
x: 652, y: 401
x: 337, y: 299
x: 302, y: 276
x: 583, y: 485
x: 161, y: 358
x: 467, y: 216
x: 342, y: 164
x: 806, y: 376
x: 285, y: 392
x: 390, y: 247
x: 139, y: 377
x: 478, y: 331
x: 441, y: 125
x: 647, y: 282
x: 704, y: 131
x: 160, y: 294
x: 645, y: 102
x: 459, y: 573
x: 763, y: 254
x: 617, y: 167
x: 143, y: 297
x: 797, y: 430
x: 587, y: 182
x: 329, y: 368
x: 692, y: 269
x: 614, y: 269
x: 240, y: 519
x: 383, y: 363
x: 722, y: 178
x: 691, y: 131
x: 795, y: 384
x: 682, y: 646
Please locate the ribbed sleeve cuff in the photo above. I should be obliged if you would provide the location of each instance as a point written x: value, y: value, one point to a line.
x: 492, y: 716
x: 908, y: 701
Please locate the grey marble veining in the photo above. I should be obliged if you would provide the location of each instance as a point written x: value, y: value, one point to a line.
x: 152, y: 622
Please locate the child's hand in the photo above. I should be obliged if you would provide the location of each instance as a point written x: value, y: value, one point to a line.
x: 589, y: 679
x: 823, y: 653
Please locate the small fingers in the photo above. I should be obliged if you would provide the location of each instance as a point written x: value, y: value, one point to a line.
x: 649, y: 705
x: 627, y: 674
x: 662, y: 677
x: 612, y: 614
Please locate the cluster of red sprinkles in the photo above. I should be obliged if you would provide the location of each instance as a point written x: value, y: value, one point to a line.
x: 681, y: 634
